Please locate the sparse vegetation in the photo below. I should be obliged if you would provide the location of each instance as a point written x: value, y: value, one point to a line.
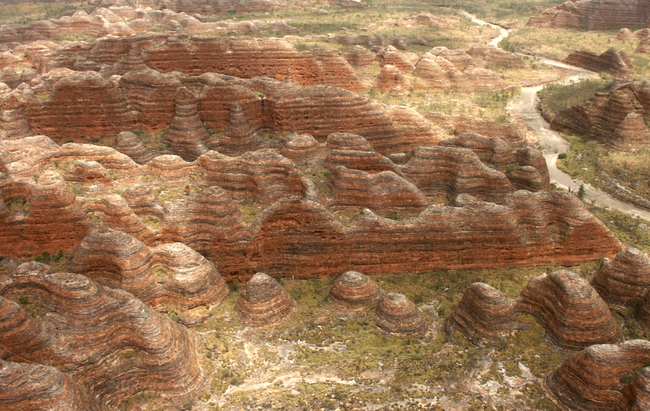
x: 554, y: 98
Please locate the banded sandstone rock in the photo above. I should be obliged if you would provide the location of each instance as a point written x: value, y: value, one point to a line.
x: 186, y: 134
x: 110, y: 342
x: 570, y: 309
x: 616, y: 115
x: 299, y: 147
x: 397, y: 314
x: 484, y: 314
x: 616, y: 63
x: 354, y: 290
x: 167, y: 274
x: 31, y: 387
x: 264, y: 302
x: 590, y: 380
x: 595, y: 15
x: 623, y: 279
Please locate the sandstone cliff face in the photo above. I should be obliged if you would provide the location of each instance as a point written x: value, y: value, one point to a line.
x: 167, y: 274
x: 591, y: 379
x: 397, y: 314
x: 354, y: 291
x: 483, y: 314
x: 623, y: 279
x: 531, y: 228
x: 616, y: 63
x: 31, y: 387
x: 617, y: 115
x: 595, y: 14
x: 97, y: 106
x: 264, y: 302
x: 570, y: 309
x: 113, y: 345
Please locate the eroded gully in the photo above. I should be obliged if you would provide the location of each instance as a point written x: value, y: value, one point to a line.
x: 524, y: 109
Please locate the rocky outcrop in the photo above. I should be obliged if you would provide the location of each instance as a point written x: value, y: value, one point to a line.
x: 570, y: 309
x: 360, y: 56
x: 450, y: 171
x: 97, y: 106
x: 616, y: 63
x: 484, y: 314
x: 595, y: 15
x: 397, y: 314
x: 186, y: 134
x: 392, y: 80
x: 263, y: 174
x: 108, y: 342
x: 129, y: 144
x: 624, y: 279
x: 299, y: 147
x: 167, y: 274
x: 354, y: 290
x: 496, y: 57
x: 617, y: 115
x: 263, y: 301
x: 248, y: 58
x: 298, y: 237
x: 591, y: 380
x: 27, y: 387
x: 240, y: 137
x: 525, y: 167
x: 384, y: 191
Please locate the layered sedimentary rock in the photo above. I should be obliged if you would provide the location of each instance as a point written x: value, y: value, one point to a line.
x: 384, y: 191
x: 360, y: 56
x: 211, y: 223
x: 248, y: 58
x: 391, y: 79
x: 128, y: 143
x: 298, y: 237
x: 484, y: 313
x: 167, y: 274
x: 354, y: 152
x: 186, y: 134
x: 37, y: 216
x: 617, y: 115
x: 590, y: 380
x: 299, y: 147
x: 595, y: 15
x: 240, y: 137
x: 496, y: 57
x: 525, y: 167
x: 152, y: 95
x: 616, y: 63
x: 450, y: 171
x: 570, y: 309
x: 13, y: 119
x: 263, y: 174
x: 109, y: 342
x: 263, y: 301
x: 25, y: 387
x: 398, y: 314
x: 640, y: 387
x: 97, y: 106
x: 623, y: 279
x: 354, y: 290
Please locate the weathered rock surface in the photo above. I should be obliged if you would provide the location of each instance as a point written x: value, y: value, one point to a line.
x: 595, y: 15
x: 27, y: 387
x: 450, y: 171
x: 354, y: 290
x: 531, y: 228
x: 616, y: 63
x: 186, y: 134
x: 384, y: 191
x: 109, y: 343
x: 484, y: 314
x: 617, y: 115
x: 263, y: 301
x: 299, y: 147
x: 590, y: 380
x: 397, y: 314
x: 570, y: 309
x: 624, y: 279
x: 167, y: 274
